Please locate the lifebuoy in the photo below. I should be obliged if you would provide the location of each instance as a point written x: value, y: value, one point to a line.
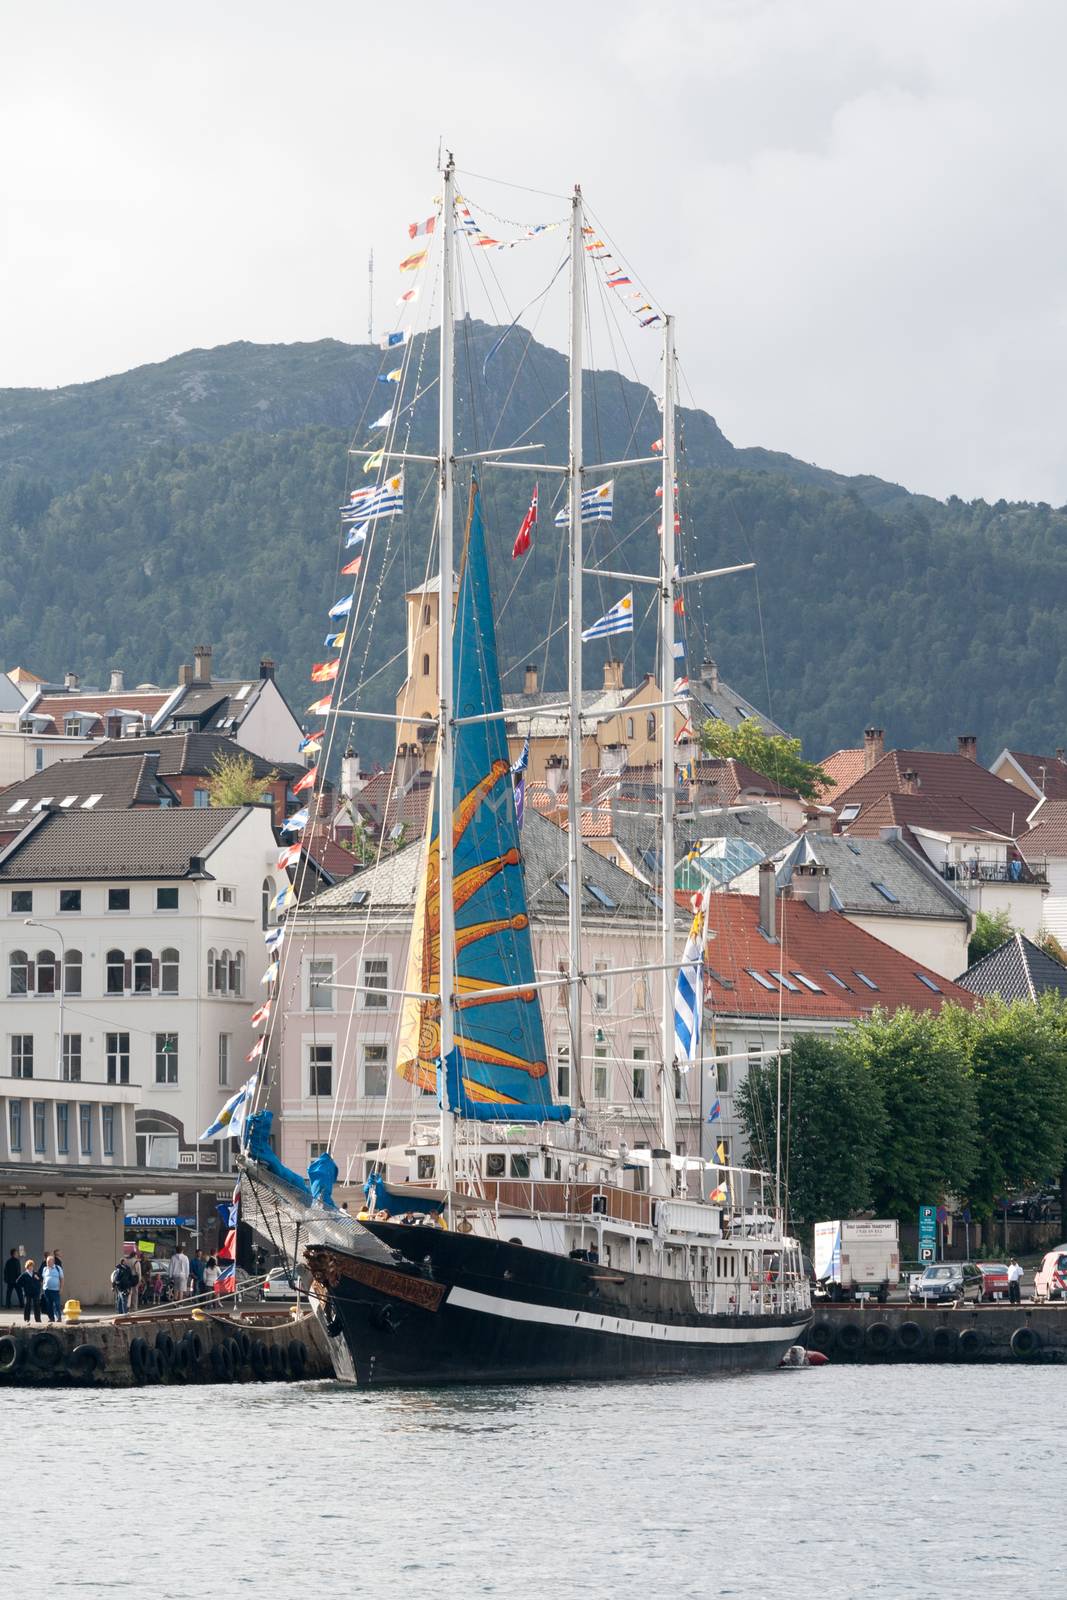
x: 943, y: 1342
x: 12, y: 1353
x: 849, y: 1337
x: 47, y: 1350
x: 86, y: 1360
x: 878, y: 1338
x: 1025, y: 1342
x: 911, y: 1337
x: 821, y: 1336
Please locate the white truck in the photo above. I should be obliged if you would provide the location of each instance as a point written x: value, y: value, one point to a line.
x: 859, y: 1257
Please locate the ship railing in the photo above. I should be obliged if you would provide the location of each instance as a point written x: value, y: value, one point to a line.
x: 559, y: 1199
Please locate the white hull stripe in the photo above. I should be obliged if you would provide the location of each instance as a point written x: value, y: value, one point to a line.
x: 626, y: 1327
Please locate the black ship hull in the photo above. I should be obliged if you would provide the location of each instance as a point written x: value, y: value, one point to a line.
x: 456, y: 1308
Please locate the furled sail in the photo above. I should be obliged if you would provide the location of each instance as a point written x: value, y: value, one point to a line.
x: 499, y: 1070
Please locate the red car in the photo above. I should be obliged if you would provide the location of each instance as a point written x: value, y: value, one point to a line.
x: 994, y: 1279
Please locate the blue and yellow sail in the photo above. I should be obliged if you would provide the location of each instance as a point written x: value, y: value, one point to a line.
x: 499, y: 1069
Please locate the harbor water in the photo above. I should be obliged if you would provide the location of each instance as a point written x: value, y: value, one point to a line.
x: 890, y: 1482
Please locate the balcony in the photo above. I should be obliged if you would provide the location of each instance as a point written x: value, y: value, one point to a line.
x: 962, y: 873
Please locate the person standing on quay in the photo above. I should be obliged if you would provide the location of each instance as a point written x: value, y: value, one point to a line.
x: 51, y: 1283
x: 12, y: 1274
x: 1015, y: 1278
x: 133, y: 1261
x: 179, y: 1274
x: 196, y: 1272
x: 30, y: 1285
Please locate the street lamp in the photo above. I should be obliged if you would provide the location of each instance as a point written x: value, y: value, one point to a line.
x: 29, y: 922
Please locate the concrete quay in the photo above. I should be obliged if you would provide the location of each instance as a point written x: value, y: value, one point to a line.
x: 165, y: 1346
x: 1025, y: 1334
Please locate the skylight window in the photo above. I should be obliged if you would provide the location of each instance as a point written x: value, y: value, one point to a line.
x: 45, y: 801
x: 886, y: 893
x: 849, y: 814
x: 18, y: 805
x: 93, y: 800
x: 809, y: 983
x: 841, y: 984
x: 564, y: 888
x: 862, y: 976
x: 787, y: 983
x: 760, y: 979
x: 929, y: 982
x: 242, y: 693
x: 853, y: 846
x: 359, y: 897
x: 68, y: 800
x: 602, y: 897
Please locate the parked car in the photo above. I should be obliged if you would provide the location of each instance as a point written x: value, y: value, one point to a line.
x: 994, y: 1279
x: 1032, y: 1205
x: 279, y: 1284
x: 1050, y: 1279
x: 949, y: 1280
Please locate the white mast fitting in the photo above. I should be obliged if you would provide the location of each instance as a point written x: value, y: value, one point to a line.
x: 574, y: 638
x: 445, y: 755
x: 667, y: 591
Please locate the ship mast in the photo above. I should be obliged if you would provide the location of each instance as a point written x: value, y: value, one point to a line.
x: 667, y: 592
x: 574, y: 634
x: 445, y: 752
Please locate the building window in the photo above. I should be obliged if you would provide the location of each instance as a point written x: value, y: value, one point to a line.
x: 201, y: 798
x: 14, y: 1123
x: 375, y: 977
x: 166, y: 1058
x: 375, y: 1070
x: 72, y: 972
x: 21, y: 901
x: 85, y: 1126
x: 72, y: 1058
x: 168, y: 971
x: 268, y: 915
x: 426, y: 624
x: 600, y: 1072
x: 22, y: 1055
x: 722, y: 1070
x: 115, y: 972
x: 142, y: 972
x: 679, y: 1084
x: 316, y: 1148
x: 224, y: 896
x: 426, y: 666
x: 320, y: 976
x: 211, y: 974
x: 47, y: 972
x: 651, y: 725
x: 62, y: 1129
x: 118, y: 1057
x: 563, y: 1071
x: 70, y: 899
x: 222, y: 973
x: 167, y: 899
x: 118, y: 899
x: 640, y: 1072
x: 629, y: 727
x: 18, y: 973
x: 224, y: 1060
x: 107, y: 1114
x: 72, y: 727
x: 320, y: 1069
x: 600, y: 985
x: 38, y: 760
x: 39, y: 1114
x: 238, y: 973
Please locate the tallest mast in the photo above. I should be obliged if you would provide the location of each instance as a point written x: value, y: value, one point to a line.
x: 574, y: 636
x: 668, y: 589
x: 445, y: 752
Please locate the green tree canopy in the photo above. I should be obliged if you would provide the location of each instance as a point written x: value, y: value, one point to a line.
x: 991, y: 929
x: 772, y: 755
x: 233, y: 781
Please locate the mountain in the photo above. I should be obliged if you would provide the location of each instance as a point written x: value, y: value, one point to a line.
x: 196, y: 500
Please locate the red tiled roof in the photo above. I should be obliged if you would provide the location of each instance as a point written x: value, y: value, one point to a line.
x: 57, y: 706
x: 1047, y: 773
x: 385, y: 804
x: 813, y: 943
x: 942, y: 777
x: 1048, y: 836
x: 734, y: 778
x: 910, y: 811
x: 844, y: 767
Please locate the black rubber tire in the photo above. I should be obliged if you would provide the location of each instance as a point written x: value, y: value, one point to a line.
x: 138, y: 1351
x: 278, y: 1367
x: 943, y: 1342
x: 150, y: 1367
x: 221, y: 1363
x: 1025, y: 1342
x: 878, y: 1338
x: 260, y: 1359
x: 298, y: 1358
x: 165, y: 1350
x: 194, y: 1343
x: 237, y: 1355
x: 820, y: 1338
x: 910, y: 1337
x: 245, y: 1341
x: 46, y: 1351
x: 12, y: 1353
x: 970, y: 1343
x: 85, y: 1361
x: 849, y: 1338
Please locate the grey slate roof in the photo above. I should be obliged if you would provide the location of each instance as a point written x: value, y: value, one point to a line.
x: 638, y: 831
x: 856, y: 866
x: 1017, y: 970
x: 190, y: 754
x: 393, y: 882
x: 214, y: 705
x: 73, y: 846
x: 130, y: 780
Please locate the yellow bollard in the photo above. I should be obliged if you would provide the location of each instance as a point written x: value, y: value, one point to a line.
x: 72, y: 1311
x: 197, y: 1315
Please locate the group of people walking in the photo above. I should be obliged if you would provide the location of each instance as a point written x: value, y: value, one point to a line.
x: 34, y: 1287
x: 139, y: 1283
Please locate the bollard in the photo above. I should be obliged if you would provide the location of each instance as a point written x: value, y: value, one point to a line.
x: 72, y: 1311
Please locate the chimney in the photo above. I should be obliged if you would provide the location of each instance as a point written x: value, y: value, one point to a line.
x: 612, y: 674
x: 811, y: 883
x: 529, y: 681
x: 911, y: 781
x: 1060, y: 756
x: 266, y: 669
x: 767, y: 891
x: 185, y: 675
x: 117, y: 684
x: 408, y: 761
x: 202, y: 663
x: 351, y: 783
x: 553, y: 773
x: 70, y: 680
x: 818, y: 819
x: 967, y: 746
x: 709, y: 674
x: 612, y: 758
x: 873, y: 747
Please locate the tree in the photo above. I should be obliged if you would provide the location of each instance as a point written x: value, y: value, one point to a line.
x: 233, y: 781
x: 922, y: 1073
x: 991, y: 930
x: 772, y: 755
x: 1048, y: 942
x: 832, y: 1125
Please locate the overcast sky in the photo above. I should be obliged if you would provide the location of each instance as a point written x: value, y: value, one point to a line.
x: 856, y: 211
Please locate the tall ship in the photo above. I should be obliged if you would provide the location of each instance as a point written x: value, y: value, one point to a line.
x: 583, y: 1258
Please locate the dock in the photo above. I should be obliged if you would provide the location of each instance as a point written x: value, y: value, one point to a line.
x: 1030, y: 1333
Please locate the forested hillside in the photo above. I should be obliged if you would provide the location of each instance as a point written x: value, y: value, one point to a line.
x: 196, y: 501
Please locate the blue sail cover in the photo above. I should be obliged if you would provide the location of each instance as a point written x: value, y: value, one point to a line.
x: 499, y: 1069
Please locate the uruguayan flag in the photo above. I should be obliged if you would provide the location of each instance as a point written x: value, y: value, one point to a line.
x: 597, y: 505
x: 384, y: 499
x: 341, y: 607
x: 689, y: 997
x: 230, y: 1122
x: 620, y: 619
